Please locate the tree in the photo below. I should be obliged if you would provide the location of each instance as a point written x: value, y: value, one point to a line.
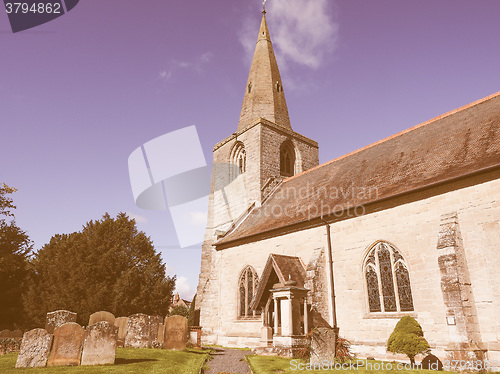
x: 194, y: 314
x: 109, y: 265
x: 408, y: 338
x: 180, y: 310
x: 15, y: 249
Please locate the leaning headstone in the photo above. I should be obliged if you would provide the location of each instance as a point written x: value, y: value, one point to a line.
x: 323, y: 346
x: 67, y: 347
x: 138, y: 331
x: 35, y: 349
x: 176, y: 333
x: 17, y: 334
x: 99, y: 347
x: 121, y: 323
x: 101, y: 316
x: 58, y: 318
x: 5, y: 334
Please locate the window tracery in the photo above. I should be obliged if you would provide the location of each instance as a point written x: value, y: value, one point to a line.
x: 387, y: 280
x: 247, y: 285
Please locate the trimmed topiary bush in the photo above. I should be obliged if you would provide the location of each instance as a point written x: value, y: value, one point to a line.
x: 408, y: 338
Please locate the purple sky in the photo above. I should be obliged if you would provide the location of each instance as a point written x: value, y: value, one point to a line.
x: 79, y: 94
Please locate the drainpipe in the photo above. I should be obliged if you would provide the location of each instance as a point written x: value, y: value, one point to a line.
x: 332, y: 285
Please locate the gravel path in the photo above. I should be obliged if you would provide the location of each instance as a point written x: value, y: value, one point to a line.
x: 228, y: 361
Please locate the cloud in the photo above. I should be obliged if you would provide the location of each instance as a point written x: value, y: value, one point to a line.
x: 184, y: 289
x: 303, y: 31
x: 175, y: 65
x: 137, y: 217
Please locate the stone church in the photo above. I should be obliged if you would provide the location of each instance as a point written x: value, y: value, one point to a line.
x: 409, y: 225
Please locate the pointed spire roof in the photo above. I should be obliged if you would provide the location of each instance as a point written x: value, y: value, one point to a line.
x: 264, y: 96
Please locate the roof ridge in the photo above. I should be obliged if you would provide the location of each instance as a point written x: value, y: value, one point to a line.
x: 451, y: 112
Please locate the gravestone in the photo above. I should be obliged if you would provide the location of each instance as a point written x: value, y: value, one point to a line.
x: 176, y: 333
x: 35, y: 349
x: 323, y: 345
x: 101, y: 316
x: 17, y: 334
x: 58, y: 318
x: 121, y: 323
x: 154, y: 329
x: 67, y: 347
x: 5, y: 334
x: 142, y: 331
x: 99, y: 347
x: 138, y: 331
x: 161, y: 333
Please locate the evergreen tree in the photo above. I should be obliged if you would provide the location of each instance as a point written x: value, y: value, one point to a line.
x: 15, y: 249
x: 408, y: 338
x: 109, y: 265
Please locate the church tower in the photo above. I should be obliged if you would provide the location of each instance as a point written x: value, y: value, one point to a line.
x: 249, y: 164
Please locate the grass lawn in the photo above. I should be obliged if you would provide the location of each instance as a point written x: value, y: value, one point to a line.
x: 281, y: 365
x: 128, y: 360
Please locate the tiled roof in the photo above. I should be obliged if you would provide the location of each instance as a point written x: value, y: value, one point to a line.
x: 278, y: 269
x: 456, y: 144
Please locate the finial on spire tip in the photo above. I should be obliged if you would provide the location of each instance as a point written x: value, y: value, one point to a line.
x: 264, y: 7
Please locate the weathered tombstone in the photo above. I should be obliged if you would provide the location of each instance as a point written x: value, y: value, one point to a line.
x: 176, y: 333
x: 17, y: 334
x: 67, y: 347
x: 101, y: 316
x: 323, y: 345
x: 35, y: 349
x: 154, y: 328
x: 138, y: 332
x: 58, y: 318
x: 161, y: 333
x: 5, y: 334
x: 121, y: 323
x: 99, y: 347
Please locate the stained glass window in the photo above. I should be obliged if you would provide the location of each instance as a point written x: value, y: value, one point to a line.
x: 387, y: 280
x: 403, y: 280
x: 372, y: 285
x: 247, y: 286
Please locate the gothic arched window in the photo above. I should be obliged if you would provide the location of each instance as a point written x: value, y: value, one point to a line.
x: 247, y: 285
x: 287, y: 159
x: 239, y: 159
x: 387, y: 280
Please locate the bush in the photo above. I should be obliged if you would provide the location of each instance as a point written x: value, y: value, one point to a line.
x: 408, y: 338
x: 180, y: 310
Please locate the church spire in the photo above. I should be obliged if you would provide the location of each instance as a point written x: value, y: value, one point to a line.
x: 264, y: 96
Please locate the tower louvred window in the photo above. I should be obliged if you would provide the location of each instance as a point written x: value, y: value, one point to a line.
x: 239, y: 158
x: 287, y: 159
